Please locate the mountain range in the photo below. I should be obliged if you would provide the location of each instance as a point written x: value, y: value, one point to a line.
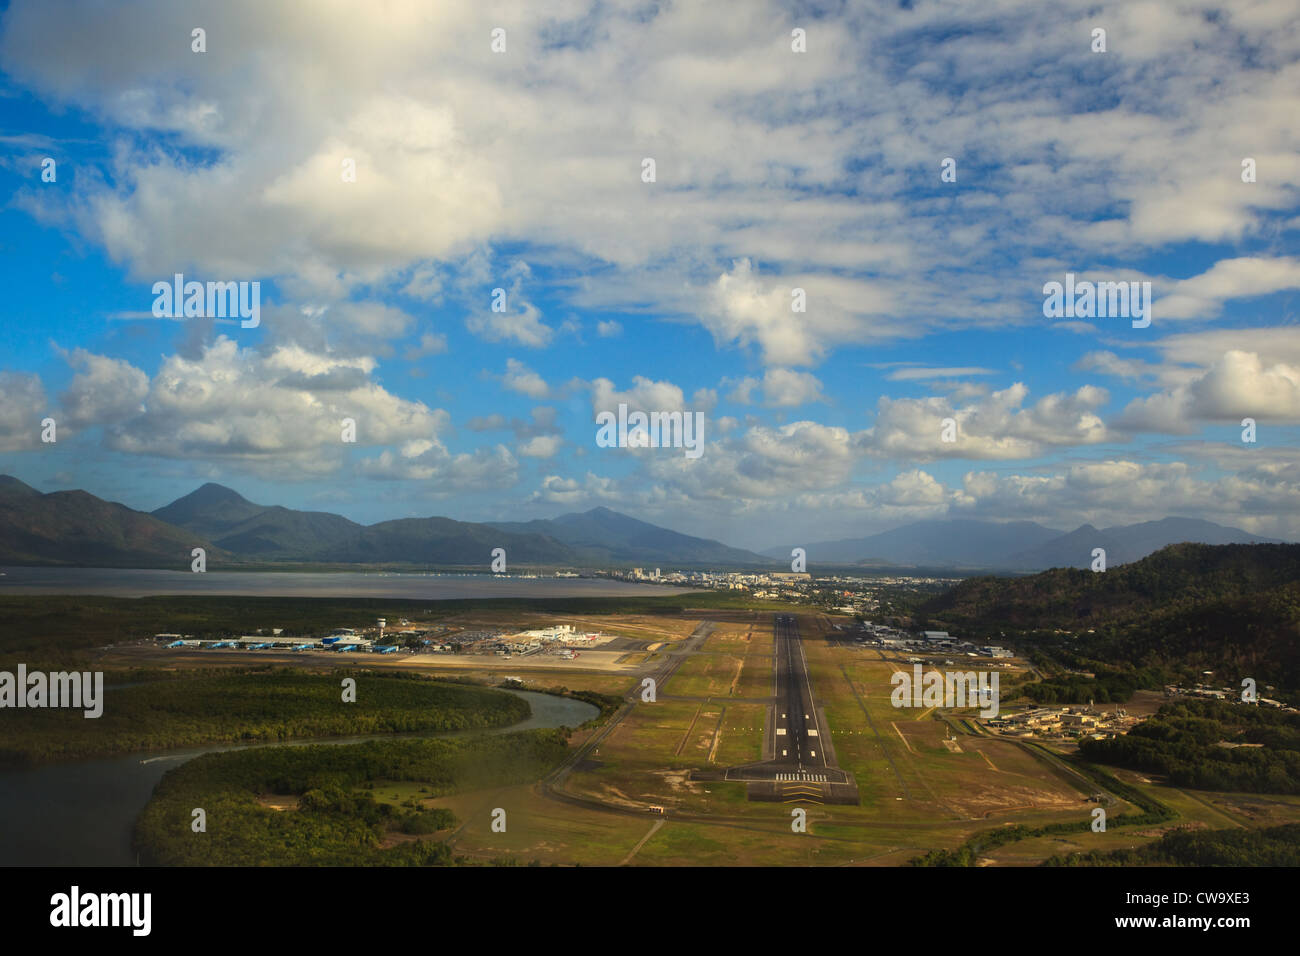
x: 1015, y: 545
x: 76, y: 528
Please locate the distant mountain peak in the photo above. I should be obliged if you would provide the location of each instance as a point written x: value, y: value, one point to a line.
x: 209, y: 496
x: 209, y: 510
x: 14, y: 487
x: 211, y: 491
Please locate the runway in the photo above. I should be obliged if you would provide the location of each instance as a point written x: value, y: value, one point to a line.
x: 799, y: 756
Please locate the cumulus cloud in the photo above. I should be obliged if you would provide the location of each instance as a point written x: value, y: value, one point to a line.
x: 761, y: 463
x: 442, y: 473
x: 755, y: 163
x: 781, y: 387
x: 520, y: 378
x: 556, y: 489
x: 523, y: 327
x: 786, y: 389
x: 431, y: 343
x: 996, y: 426
x: 470, y: 165
x: 278, y: 414
x: 647, y: 395
x: 22, y: 406
x: 104, y: 390
x: 1120, y: 491
x: 542, y: 446
x: 1239, y: 385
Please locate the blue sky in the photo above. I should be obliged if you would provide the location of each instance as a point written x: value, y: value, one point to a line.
x: 775, y: 170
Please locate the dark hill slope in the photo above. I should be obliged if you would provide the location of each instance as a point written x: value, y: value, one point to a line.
x: 1234, y: 609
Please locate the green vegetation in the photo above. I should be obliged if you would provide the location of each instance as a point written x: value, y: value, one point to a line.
x: 1274, y: 846
x: 273, y: 705
x: 429, y: 821
x: 337, y: 822
x: 1184, y: 741
x: 1109, y: 686
x: 1233, y: 609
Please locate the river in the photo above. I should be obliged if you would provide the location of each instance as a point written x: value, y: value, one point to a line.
x: 430, y: 586
x: 81, y: 813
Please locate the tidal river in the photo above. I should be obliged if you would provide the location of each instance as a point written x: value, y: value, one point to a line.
x: 81, y: 813
x: 431, y: 586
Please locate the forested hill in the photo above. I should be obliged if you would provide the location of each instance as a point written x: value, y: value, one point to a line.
x: 1188, y: 606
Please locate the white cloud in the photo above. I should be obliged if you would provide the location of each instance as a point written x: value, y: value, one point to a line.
x: 784, y: 388
x: 1203, y: 296
x: 1118, y: 492
x: 1239, y: 385
x: 647, y: 395
x: 995, y: 426
x: 523, y: 327
x: 442, y: 473
x: 763, y: 187
x: 761, y: 463
x: 22, y: 406
x: 542, y: 446
x: 278, y: 414
x: 431, y: 343
x: 520, y: 378
x: 570, y: 491
x: 104, y: 390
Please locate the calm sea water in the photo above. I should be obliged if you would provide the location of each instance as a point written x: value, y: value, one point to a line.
x: 132, y: 582
x: 81, y: 813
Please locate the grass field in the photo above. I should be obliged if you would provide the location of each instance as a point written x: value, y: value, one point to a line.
x: 706, y: 675
x: 920, y: 790
x: 927, y: 779
x: 741, y: 735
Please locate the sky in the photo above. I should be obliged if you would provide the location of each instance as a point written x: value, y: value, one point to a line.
x: 913, y: 175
